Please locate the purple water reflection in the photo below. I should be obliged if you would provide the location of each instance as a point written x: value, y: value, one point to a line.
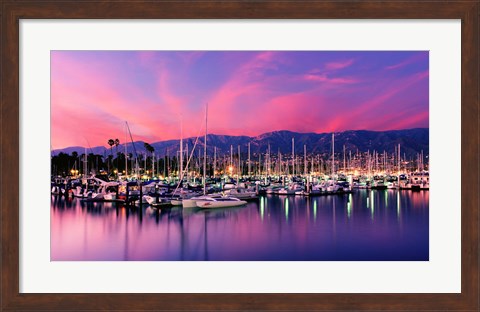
x: 366, y: 225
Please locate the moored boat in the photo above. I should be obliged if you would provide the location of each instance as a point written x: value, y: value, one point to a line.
x: 219, y: 202
x: 242, y: 193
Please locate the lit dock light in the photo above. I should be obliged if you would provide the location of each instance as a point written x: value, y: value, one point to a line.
x: 286, y: 209
x: 262, y: 207
x: 373, y: 204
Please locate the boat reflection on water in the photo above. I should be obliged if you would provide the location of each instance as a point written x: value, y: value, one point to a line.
x: 366, y: 225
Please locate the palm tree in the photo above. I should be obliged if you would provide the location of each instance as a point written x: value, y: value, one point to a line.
x: 75, y: 158
x: 117, y: 142
x: 110, y: 142
x: 150, y: 149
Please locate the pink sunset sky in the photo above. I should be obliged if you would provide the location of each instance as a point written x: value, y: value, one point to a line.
x: 249, y: 93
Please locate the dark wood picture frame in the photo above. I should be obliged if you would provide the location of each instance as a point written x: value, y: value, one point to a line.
x: 12, y: 11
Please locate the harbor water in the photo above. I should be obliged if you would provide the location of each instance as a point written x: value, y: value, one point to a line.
x: 367, y: 225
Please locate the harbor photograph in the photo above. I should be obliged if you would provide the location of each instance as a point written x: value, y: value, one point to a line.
x: 239, y: 156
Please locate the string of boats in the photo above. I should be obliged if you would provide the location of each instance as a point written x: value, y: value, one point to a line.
x: 220, y: 194
x: 225, y: 191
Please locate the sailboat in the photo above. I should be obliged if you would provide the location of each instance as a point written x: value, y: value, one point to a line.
x: 219, y: 201
x: 214, y: 200
x: 104, y: 191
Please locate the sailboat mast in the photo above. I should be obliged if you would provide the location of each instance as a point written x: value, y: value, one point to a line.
x: 421, y: 163
x: 266, y: 162
x: 259, y: 163
x: 188, y: 162
x: 368, y: 164
x: 293, y: 156
x: 248, y: 158
x: 333, y: 154
x: 85, y: 164
x: 205, y: 153
x: 126, y: 160
x: 239, y: 171
x: 181, y: 151
x: 305, y: 160
x: 269, y: 161
x: 134, y: 150
x: 279, y: 172
x: 312, y: 166
x: 399, y: 159
x: 349, y: 165
x: 214, y: 160
x: 384, y: 161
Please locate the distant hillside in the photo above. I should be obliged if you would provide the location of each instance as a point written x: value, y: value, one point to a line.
x: 412, y: 141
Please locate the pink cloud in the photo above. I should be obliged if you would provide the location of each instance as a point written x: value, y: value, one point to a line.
x: 225, y: 103
x: 407, y: 121
x: 297, y: 111
x: 78, y: 94
x: 338, y: 65
x: 191, y: 57
x: 264, y: 93
x: 406, y: 62
x: 362, y: 109
x: 393, y: 90
x: 274, y: 110
x: 324, y: 78
x: 173, y: 105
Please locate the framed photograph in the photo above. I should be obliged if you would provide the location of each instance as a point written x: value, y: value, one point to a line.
x: 240, y: 155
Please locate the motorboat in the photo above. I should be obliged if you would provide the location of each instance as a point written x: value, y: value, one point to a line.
x: 331, y: 186
x: 242, y: 193
x: 192, y: 202
x: 106, y: 190
x: 219, y: 202
x: 157, y: 202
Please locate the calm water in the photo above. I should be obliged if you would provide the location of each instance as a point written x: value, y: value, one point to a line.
x: 366, y: 225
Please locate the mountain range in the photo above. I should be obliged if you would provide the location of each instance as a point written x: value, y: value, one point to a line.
x: 412, y: 141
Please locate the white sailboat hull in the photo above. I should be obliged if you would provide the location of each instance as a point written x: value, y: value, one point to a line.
x: 189, y: 203
x: 220, y: 204
x: 109, y: 196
